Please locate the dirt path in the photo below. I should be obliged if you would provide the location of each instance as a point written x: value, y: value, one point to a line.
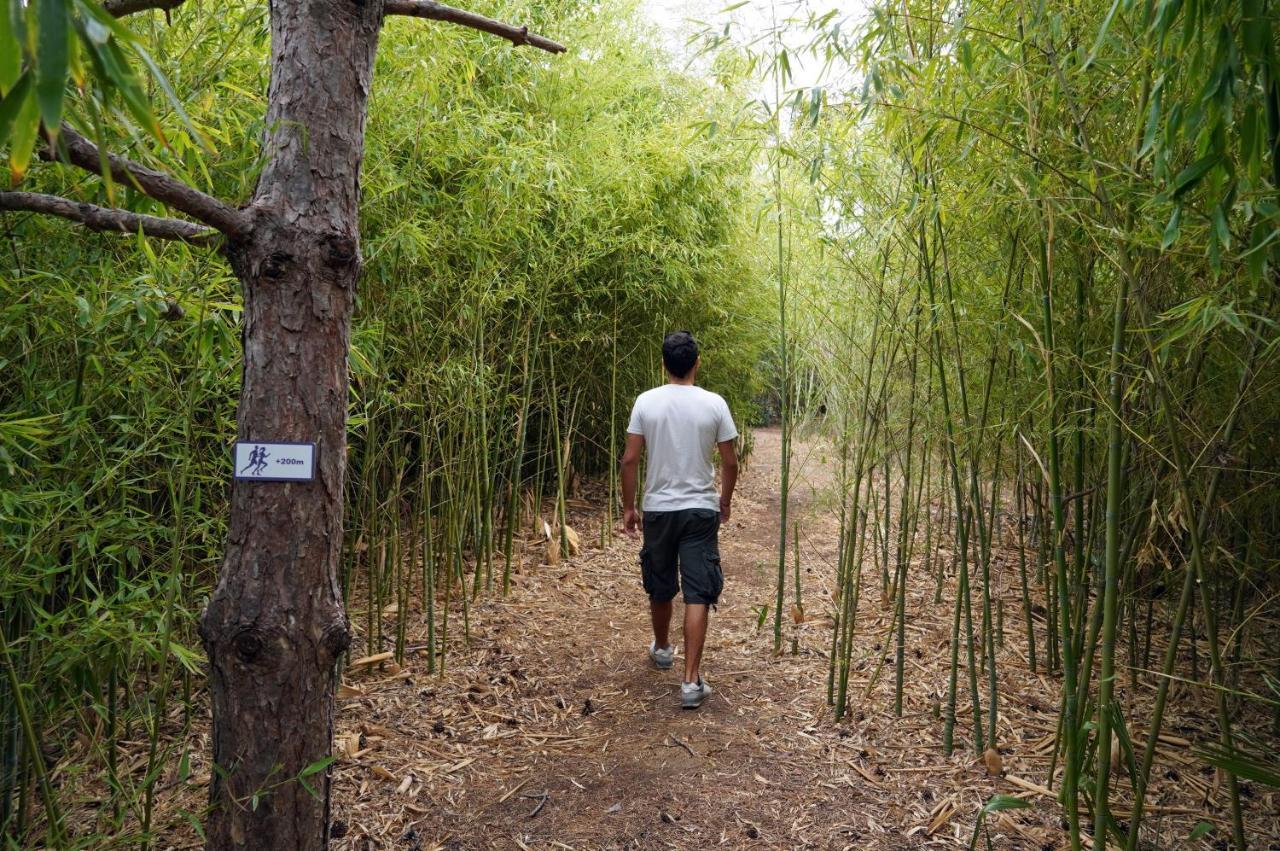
x: 556, y: 697
x: 551, y: 730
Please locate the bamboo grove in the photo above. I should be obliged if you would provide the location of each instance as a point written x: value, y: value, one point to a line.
x: 530, y: 234
x: 1016, y: 265
x: 1039, y: 325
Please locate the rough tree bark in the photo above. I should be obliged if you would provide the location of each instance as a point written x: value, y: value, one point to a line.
x: 275, y: 626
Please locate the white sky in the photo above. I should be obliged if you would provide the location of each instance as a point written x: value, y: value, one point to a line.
x: 677, y: 20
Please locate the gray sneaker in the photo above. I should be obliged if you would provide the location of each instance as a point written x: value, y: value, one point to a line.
x: 693, y: 694
x: 661, y: 658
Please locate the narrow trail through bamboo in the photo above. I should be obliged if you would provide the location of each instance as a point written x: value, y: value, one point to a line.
x: 551, y: 726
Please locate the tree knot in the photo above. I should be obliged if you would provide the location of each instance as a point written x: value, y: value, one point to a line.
x: 276, y: 264
x: 341, y: 250
x: 337, y: 637
x: 248, y: 645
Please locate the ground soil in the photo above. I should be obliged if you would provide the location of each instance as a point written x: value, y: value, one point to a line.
x: 549, y: 728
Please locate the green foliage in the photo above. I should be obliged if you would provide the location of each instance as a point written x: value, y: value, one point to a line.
x: 531, y: 229
x: 1052, y: 230
x: 995, y: 804
x: 1261, y: 764
x: 67, y: 59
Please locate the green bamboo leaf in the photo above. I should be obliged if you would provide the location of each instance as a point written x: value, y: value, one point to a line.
x: 1251, y: 142
x: 75, y: 57
x: 12, y: 104
x: 173, y: 98
x: 1102, y: 35
x: 998, y: 803
x: 114, y: 67
x: 17, y: 12
x: 1214, y: 252
x: 1249, y: 126
x: 1193, y: 174
x: 1201, y: 830
x: 1171, y: 229
x: 94, y: 30
x: 316, y: 767
x: 89, y: 9
x: 1173, y: 126
x: 195, y: 824
x: 1126, y: 744
x: 1256, y: 256
x: 1191, y: 29
x: 1168, y: 13
x: 10, y: 50
x: 1153, y: 118
x: 51, y: 61
x: 1260, y: 769
x: 1221, y: 232
x: 22, y: 140
x: 1255, y: 29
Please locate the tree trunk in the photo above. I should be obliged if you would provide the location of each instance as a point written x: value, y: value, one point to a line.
x: 275, y: 625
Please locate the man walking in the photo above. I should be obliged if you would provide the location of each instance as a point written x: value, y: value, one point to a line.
x: 679, y: 424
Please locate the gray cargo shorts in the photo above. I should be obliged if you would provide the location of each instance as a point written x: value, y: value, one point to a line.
x: 682, y: 550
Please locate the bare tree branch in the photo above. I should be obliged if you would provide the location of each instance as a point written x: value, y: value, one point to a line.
x: 107, y: 219
x: 120, y: 8
x: 439, y: 12
x: 79, y: 151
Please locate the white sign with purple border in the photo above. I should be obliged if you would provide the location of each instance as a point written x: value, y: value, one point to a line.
x: 275, y: 462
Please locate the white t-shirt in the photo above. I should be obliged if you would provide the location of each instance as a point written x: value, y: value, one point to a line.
x: 681, y: 425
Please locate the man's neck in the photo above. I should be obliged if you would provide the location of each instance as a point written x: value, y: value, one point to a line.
x: 687, y: 381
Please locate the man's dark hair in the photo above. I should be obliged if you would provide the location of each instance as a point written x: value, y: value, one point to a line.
x: 679, y: 353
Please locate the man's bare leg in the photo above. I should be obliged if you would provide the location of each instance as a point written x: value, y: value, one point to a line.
x: 695, y: 634
x: 661, y: 614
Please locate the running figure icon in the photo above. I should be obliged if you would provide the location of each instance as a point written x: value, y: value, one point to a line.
x: 257, y: 461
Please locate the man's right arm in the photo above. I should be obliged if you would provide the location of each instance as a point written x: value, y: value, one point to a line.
x: 728, y: 475
x: 630, y: 469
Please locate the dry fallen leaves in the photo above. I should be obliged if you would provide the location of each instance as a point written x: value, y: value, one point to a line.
x: 575, y: 542
x: 347, y: 745
x: 371, y: 660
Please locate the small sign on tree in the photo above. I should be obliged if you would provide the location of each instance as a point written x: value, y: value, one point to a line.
x: 275, y: 625
x: 275, y: 462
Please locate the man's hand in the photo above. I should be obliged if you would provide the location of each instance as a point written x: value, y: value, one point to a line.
x: 631, y: 520
x: 724, y: 513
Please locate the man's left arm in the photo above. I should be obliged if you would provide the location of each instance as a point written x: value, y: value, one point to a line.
x: 728, y: 475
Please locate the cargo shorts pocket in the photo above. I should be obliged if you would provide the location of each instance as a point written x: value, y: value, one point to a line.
x: 715, y: 576
x: 646, y: 571
x: 702, y: 578
x: 657, y: 584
